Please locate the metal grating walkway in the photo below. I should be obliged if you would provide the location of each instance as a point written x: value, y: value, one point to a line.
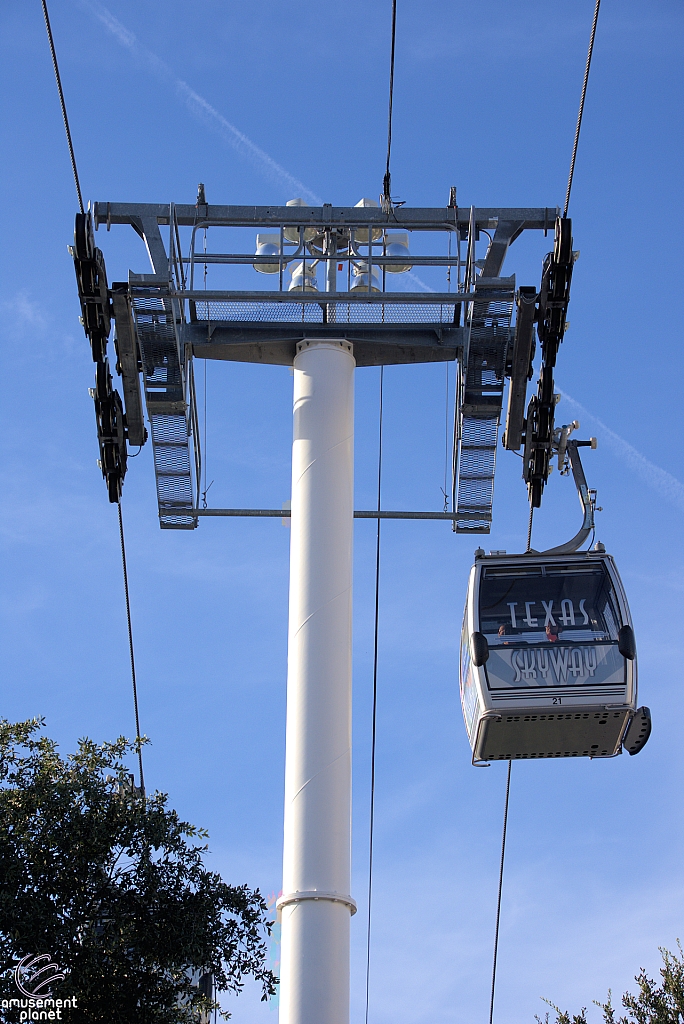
x: 331, y: 312
x: 489, y: 330
x: 167, y: 410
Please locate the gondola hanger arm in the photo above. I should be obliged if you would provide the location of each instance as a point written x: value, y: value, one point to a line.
x: 587, y: 497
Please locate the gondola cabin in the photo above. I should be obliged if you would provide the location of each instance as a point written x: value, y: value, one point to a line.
x: 548, y: 659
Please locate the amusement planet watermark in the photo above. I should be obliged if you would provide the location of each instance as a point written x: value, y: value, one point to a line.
x: 34, y: 977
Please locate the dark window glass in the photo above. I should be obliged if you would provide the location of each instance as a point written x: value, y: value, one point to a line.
x: 541, y: 604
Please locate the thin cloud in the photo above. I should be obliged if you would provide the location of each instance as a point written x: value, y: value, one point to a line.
x: 200, y: 108
x: 664, y: 483
x: 24, y: 312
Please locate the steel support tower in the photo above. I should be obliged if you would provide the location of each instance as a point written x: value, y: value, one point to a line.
x: 165, y: 319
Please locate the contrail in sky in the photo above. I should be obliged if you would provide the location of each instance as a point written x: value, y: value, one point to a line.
x: 200, y: 108
x: 421, y: 284
x: 208, y: 115
x: 660, y: 480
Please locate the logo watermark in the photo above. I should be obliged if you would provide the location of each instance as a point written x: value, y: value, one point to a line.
x: 34, y: 977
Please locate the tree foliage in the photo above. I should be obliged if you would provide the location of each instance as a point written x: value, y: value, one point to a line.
x: 653, y: 1003
x: 114, y: 887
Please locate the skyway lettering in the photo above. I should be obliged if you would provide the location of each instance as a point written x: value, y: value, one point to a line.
x: 563, y: 660
x: 555, y: 665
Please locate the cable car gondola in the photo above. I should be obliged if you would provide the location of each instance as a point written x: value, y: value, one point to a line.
x: 548, y: 658
x: 548, y: 655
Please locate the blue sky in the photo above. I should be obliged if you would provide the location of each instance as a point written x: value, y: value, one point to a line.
x: 246, y: 97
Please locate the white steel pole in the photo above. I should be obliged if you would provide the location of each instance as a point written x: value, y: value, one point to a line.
x: 316, y: 905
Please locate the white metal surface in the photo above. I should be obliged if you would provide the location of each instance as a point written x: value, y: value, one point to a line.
x: 316, y: 905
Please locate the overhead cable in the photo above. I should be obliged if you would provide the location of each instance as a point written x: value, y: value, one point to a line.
x: 444, y: 491
x: 63, y: 106
x: 72, y: 157
x: 375, y: 701
x: 138, y: 738
x: 387, y: 181
x: 498, y: 902
x: 581, y: 108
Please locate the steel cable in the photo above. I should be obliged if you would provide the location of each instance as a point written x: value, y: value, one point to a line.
x: 581, y: 107
x: 138, y: 738
x: 63, y: 105
x: 72, y: 156
x: 529, y: 530
x: 375, y: 701
x: 387, y: 181
x: 531, y: 508
x: 446, y: 441
x: 498, y: 902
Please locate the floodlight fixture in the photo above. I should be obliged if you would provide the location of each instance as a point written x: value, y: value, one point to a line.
x: 303, y: 277
x: 360, y: 280
x: 361, y: 236
x: 396, y: 244
x: 267, y: 245
x: 292, y: 233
